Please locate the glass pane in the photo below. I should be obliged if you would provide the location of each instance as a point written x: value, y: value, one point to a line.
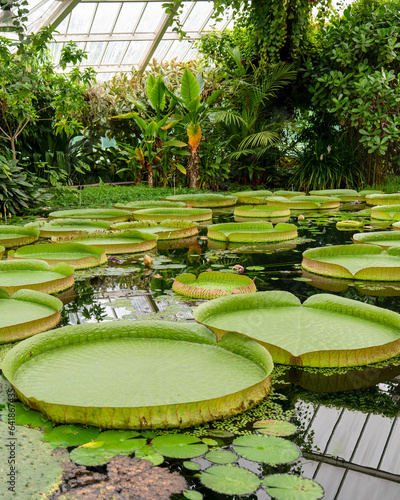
x: 105, y: 17
x: 102, y: 77
x: 186, y: 7
x: 41, y: 9
x: 191, y: 55
x: 81, y: 18
x: 94, y: 50
x: 114, y: 52
x: 55, y: 50
x: 129, y: 17
x: 151, y: 18
x: 178, y: 50
x: 62, y: 27
x: 161, y: 50
x: 135, y: 52
x: 198, y: 16
x: 220, y: 24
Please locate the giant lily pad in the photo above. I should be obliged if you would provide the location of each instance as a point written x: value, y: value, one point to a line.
x: 153, y: 374
x: 115, y: 242
x: 266, y: 211
x: 26, y: 313
x: 75, y: 254
x: 163, y: 214
x: 289, y: 194
x: 267, y: 449
x: 290, y: 487
x: 326, y: 331
x: 107, y: 214
x: 343, y: 194
x: 59, y: 227
x: 35, y: 275
x: 253, y: 197
x: 252, y: 232
x: 386, y: 212
x: 204, y: 200
x: 363, y: 262
x: 305, y: 202
x: 1, y: 251
x: 384, y: 239
x: 15, y: 236
x: 167, y: 230
x: 247, y: 248
x: 383, y: 199
x: 212, y: 284
x: 132, y: 206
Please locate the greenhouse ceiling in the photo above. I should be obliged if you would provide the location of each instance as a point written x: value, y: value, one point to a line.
x: 121, y: 35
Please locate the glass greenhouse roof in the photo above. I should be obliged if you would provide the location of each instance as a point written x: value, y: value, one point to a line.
x: 121, y: 35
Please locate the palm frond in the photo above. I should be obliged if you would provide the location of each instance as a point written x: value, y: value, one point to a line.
x: 264, y: 138
x: 228, y: 117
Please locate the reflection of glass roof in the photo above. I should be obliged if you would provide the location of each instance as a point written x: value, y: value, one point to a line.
x: 121, y: 35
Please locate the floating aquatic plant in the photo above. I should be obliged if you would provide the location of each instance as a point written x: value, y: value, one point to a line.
x: 15, y: 236
x: 107, y: 214
x: 163, y: 214
x: 384, y: 239
x: 132, y: 206
x: 290, y: 487
x: 253, y: 197
x: 59, y: 227
x: 166, y: 230
x: 204, y: 200
x: 252, y: 232
x: 383, y: 199
x: 266, y: 211
x: 386, y: 212
x: 305, y: 202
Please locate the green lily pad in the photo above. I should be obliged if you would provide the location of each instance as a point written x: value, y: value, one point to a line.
x: 292, y: 487
x: 191, y: 466
x: 59, y: 227
x: 255, y: 268
x: 252, y: 232
x: 170, y: 374
x: 35, y: 275
x: 15, y: 236
x: 132, y: 206
x: 305, y: 202
x: 204, y: 200
x: 166, y: 230
x: 69, y: 435
x: 259, y: 211
x: 230, y: 480
x: 343, y: 194
x: 326, y: 330
x: 266, y: 449
x: 289, y: 194
x: 179, y: 446
x: 210, y: 285
x: 148, y: 453
x: 163, y: 214
x: 275, y: 427
x: 382, y: 199
x: 386, y: 212
x: 107, y: 214
x: 26, y: 313
x: 221, y: 457
x: 26, y: 416
x: 384, y: 239
x: 90, y: 457
x: 253, y: 197
x: 192, y: 495
x: 75, y: 254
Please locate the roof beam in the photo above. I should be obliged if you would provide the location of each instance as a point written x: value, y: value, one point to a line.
x: 116, y: 37
x: 165, y: 22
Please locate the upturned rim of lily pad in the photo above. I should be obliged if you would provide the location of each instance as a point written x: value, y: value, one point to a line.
x: 107, y: 214
x: 191, y: 286
x: 111, y: 245
x: 314, y: 263
x: 132, y: 206
x: 204, y: 200
x: 177, y: 229
x: 249, y: 211
x: 25, y: 329
x: 382, y: 199
x: 270, y: 333
x: 386, y: 212
x: 162, y: 214
x: 59, y: 343
x: 55, y: 285
x: 57, y: 227
x: 95, y: 256
x: 343, y: 194
x: 252, y: 232
x: 23, y: 235
x: 253, y: 197
x: 376, y: 238
x: 305, y: 202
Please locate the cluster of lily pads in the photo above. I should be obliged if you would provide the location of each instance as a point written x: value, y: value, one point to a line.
x: 231, y: 352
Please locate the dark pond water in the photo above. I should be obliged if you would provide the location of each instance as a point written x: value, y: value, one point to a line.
x: 348, y: 422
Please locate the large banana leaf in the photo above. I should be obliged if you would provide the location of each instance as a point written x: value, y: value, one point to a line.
x: 190, y: 88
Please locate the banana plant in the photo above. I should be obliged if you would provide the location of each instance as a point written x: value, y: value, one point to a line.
x: 193, y: 112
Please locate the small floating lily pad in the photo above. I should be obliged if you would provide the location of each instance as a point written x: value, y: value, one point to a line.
x: 383, y: 199
x: 166, y: 230
x: 363, y: 262
x: 35, y: 275
x: 169, y: 374
x: 210, y: 285
x: 305, y: 202
x: 75, y: 254
x: 252, y: 232
x: 266, y: 449
x: 60, y: 227
x: 384, y: 239
x: 107, y: 214
x: 290, y: 487
x: 386, y: 212
x: 132, y: 206
x: 230, y: 480
x: 148, y: 453
x: 266, y: 211
x: 179, y: 446
x: 221, y: 457
x: 253, y: 197
x: 69, y: 435
x: 15, y: 236
x: 349, y: 224
x: 326, y: 331
x: 27, y: 313
x: 204, y: 200
x: 275, y: 427
x: 163, y: 214
x: 115, y: 242
x: 191, y: 466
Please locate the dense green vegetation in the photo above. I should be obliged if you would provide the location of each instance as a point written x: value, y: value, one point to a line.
x: 286, y: 99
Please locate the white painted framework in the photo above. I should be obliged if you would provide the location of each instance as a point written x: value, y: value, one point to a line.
x: 121, y: 35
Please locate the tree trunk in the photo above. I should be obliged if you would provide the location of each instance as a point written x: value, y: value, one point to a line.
x: 14, y: 153
x: 193, y: 170
x: 150, y: 179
